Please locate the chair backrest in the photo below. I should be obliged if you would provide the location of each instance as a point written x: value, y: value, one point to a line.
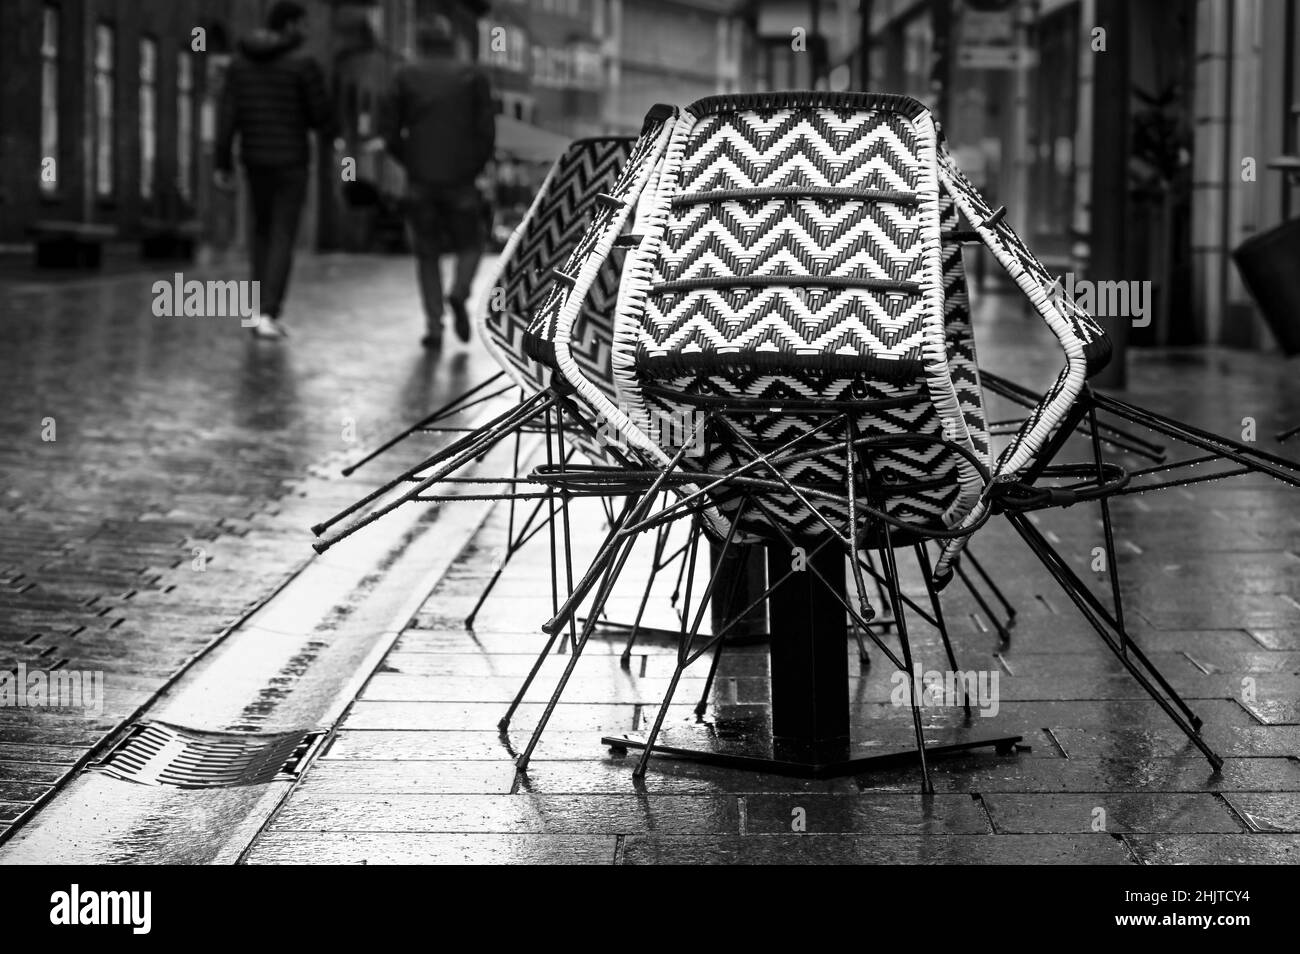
x: 788, y: 257
x: 560, y: 214
x: 799, y: 269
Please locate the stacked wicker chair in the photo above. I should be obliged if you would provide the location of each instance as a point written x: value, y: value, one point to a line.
x: 792, y: 305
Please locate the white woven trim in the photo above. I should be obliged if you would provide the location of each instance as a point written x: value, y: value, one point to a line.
x: 1057, y: 402
x: 605, y: 410
x: 934, y: 349
x: 653, y: 207
x: 638, y: 272
x: 503, y: 265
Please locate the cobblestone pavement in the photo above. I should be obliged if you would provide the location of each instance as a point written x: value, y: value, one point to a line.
x: 186, y: 463
x: 418, y: 771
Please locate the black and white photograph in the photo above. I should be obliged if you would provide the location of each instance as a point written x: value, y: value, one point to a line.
x: 650, y: 432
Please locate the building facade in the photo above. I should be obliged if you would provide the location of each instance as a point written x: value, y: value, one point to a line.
x: 1130, y: 139
x: 108, y: 113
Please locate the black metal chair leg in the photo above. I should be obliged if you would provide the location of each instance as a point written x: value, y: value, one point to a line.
x: 1004, y: 635
x: 991, y: 584
x: 687, y: 639
x: 900, y: 623
x: 513, y: 545
x: 602, y: 594
x: 661, y: 540
x: 1062, y: 574
x: 923, y: 558
x: 551, y: 522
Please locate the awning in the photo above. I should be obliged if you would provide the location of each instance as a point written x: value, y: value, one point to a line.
x: 517, y: 139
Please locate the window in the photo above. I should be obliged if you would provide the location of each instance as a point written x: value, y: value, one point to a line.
x: 148, y: 114
x: 104, y: 89
x: 50, y: 94
x: 185, y: 124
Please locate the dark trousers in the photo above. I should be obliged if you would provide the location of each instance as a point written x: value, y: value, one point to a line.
x: 445, y: 220
x: 277, y: 195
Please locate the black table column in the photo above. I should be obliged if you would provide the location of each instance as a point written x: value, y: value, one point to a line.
x: 809, y: 650
x: 742, y: 576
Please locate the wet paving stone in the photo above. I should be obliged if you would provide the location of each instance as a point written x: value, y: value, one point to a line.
x: 235, y: 457
x: 386, y: 848
x: 438, y: 716
x: 9, y: 811
x: 512, y: 814
x: 1187, y: 774
x: 875, y: 850
x: 461, y: 746
x: 18, y: 773
x: 1274, y: 711
x: 178, y: 451
x: 1283, y: 640
x: 1267, y: 811
x: 1281, y: 741
x: 22, y: 791
x: 342, y: 777
x: 865, y: 814
x: 1112, y: 812
x: 613, y: 776
x: 1215, y: 849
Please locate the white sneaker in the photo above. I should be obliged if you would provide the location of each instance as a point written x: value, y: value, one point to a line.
x: 266, y: 327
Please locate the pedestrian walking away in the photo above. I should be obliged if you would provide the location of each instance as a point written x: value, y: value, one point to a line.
x: 439, y: 124
x: 273, y: 98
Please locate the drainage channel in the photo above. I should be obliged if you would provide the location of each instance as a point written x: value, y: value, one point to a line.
x: 199, y: 774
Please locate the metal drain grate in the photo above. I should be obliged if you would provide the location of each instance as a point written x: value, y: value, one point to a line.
x: 155, y: 753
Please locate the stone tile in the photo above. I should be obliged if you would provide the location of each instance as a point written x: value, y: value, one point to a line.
x: 612, y: 775
x: 866, y: 814
x: 405, y: 848
x: 9, y: 811
x: 1267, y: 811
x: 1165, y: 741
x: 16, y: 791
x: 1123, y: 812
x: 875, y: 850
x: 1284, y: 640
x: 984, y: 775
x: 435, y: 716
x: 332, y: 776
x: 1274, y: 711
x: 397, y: 745
x: 512, y: 814
x: 1215, y: 849
x: 157, y: 454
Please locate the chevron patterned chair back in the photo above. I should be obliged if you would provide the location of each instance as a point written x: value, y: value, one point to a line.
x: 559, y: 216
x: 789, y: 262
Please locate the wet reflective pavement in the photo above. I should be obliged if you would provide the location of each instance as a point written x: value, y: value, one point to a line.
x: 186, y: 464
x: 417, y: 770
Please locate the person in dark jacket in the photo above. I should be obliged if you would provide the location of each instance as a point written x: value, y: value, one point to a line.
x: 439, y: 123
x: 274, y: 97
